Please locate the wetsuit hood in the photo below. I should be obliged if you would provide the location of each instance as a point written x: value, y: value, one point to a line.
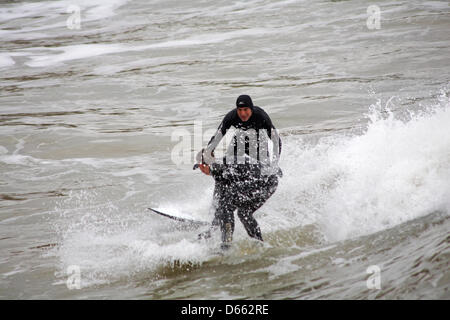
x: 244, y: 101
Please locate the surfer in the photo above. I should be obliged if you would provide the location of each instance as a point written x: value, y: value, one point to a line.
x: 248, y: 175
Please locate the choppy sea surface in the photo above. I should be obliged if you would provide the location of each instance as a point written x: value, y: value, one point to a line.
x: 104, y: 103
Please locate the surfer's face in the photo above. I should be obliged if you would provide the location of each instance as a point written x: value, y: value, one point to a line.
x: 244, y: 113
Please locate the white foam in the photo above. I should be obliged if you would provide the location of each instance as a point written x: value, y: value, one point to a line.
x: 23, y: 10
x: 106, y: 253
x: 141, y: 63
x: 3, y: 150
x: 438, y: 5
x: 314, y: 251
x: 90, y: 9
x: 121, y: 167
x: 76, y: 52
x: 45, y: 13
x: 99, y: 9
x: 104, y: 140
x: 6, y: 60
x: 207, y: 38
x: 353, y: 185
x: 18, y: 159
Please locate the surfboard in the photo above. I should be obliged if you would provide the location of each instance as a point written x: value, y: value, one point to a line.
x: 192, y: 222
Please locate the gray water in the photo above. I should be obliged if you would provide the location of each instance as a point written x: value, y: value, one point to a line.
x: 96, y: 112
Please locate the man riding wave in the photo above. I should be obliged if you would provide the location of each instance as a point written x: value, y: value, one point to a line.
x: 247, y: 175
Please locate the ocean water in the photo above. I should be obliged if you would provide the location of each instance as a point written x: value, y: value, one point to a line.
x: 103, y: 105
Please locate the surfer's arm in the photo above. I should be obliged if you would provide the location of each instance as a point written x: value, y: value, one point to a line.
x: 273, y: 135
x: 220, y: 133
x: 216, y: 171
x: 206, y: 156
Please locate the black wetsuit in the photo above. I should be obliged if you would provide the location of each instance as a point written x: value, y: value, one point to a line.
x: 243, y: 185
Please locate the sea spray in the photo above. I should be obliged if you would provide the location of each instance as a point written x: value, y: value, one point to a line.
x: 350, y: 184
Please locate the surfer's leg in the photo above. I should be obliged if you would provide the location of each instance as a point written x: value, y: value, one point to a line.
x: 257, y: 199
x: 223, y: 214
x: 225, y: 219
x: 215, y: 224
x: 250, y: 223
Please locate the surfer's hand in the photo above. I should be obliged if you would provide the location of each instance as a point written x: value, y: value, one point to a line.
x: 205, y: 169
